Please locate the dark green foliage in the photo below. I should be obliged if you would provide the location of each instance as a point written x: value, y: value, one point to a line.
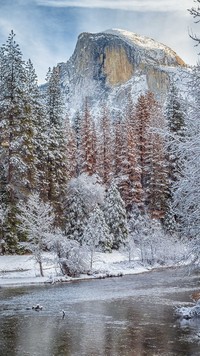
x: 76, y: 215
x: 18, y: 138
x: 175, y: 115
x: 115, y: 216
x: 175, y: 111
x: 57, y: 175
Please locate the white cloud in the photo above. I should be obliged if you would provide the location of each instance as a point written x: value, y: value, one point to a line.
x: 137, y: 5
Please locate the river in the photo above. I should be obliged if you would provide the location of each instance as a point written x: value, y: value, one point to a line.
x: 124, y: 316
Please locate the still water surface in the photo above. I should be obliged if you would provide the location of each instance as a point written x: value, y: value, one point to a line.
x: 127, y: 316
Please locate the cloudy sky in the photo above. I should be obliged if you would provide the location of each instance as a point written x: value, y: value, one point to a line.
x: 47, y: 30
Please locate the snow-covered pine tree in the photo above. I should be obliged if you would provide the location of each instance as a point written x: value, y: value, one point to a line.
x: 115, y: 216
x: 96, y: 233
x: 150, y: 123
x: 17, y: 135
x: 187, y: 187
x: 105, y: 152
x: 83, y: 194
x: 36, y: 221
x: 170, y: 225
x: 157, y: 186
x: 135, y: 222
x: 135, y: 192
x: 88, y: 142
x: 174, y: 110
x: 122, y: 176
x: 118, y: 144
x: 76, y: 125
x: 40, y: 126
x: 71, y: 150
x: 175, y: 116
x: 57, y: 142
x: 76, y: 214
x: 130, y: 176
x: 142, y: 128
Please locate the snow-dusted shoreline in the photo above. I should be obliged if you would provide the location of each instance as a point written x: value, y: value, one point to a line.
x: 22, y: 270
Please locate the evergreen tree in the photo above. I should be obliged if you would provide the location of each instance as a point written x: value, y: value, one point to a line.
x: 186, y: 190
x: 170, y: 224
x: 175, y: 117
x: 122, y: 176
x: 115, y: 216
x: 57, y: 175
x: 71, y: 150
x: 130, y: 182
x: 135, y: 222
x: 17, y: 135
x: 40, y: 126
x: 88, y: 143
x: 152, y: 154
x: 96, y: 233
x: 105, y: 154
x: 118, y: 145
x: 76, y: 125
x: 174, y: 111
x: 82, y: 196
x: 76, y: 215
x: 135, y: 193
x: 187, y: 187
x: 157, y: 190
x: 142, y: 129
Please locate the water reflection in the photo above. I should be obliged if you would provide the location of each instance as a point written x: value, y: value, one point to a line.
x: 141, y: 323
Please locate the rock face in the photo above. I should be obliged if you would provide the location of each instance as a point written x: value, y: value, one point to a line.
x: 105, y: 65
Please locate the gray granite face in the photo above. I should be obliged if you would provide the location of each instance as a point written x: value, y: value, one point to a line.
x: 108, y: 65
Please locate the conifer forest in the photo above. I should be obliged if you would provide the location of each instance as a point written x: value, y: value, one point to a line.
x: 103, y: 180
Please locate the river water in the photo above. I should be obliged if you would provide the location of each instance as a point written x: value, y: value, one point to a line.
x: 125, y: 316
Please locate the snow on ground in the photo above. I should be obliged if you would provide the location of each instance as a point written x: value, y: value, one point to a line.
x: 189, y: 312
x: 21, y: 270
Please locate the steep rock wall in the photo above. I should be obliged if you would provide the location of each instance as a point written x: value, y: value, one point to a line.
x: 105, y: 61
x: 117, y: 67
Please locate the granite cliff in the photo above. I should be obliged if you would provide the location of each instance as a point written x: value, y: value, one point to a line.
x: 109, y: 64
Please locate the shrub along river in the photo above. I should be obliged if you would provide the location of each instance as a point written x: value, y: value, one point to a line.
x: 130, y: 315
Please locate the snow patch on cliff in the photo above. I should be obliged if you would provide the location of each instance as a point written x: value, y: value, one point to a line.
x: 155, y: 50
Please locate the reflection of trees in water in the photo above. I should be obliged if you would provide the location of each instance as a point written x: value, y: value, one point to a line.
x: 9, y: 336
x: 120, y: 327
x: 132, y: 316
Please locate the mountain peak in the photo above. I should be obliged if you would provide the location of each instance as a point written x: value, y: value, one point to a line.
x: 145, y: 42
x: 107, y: 62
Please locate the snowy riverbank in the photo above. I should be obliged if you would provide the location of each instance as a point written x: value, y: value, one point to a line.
x: 23, y: 270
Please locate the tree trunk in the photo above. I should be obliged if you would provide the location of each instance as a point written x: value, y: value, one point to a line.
x: 91, y: 258
x: 41, y: 269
